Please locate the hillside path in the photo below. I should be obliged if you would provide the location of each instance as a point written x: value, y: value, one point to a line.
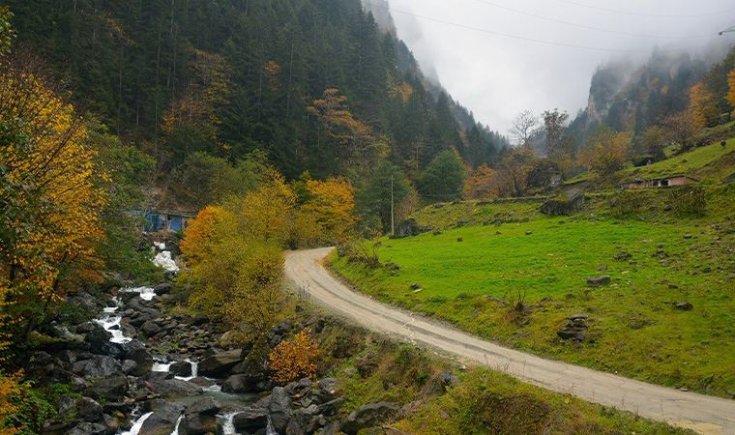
x: 705, y: 414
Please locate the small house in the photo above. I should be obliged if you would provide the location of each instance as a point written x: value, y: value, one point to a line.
x: 164, y: 220
x: 671, y: 181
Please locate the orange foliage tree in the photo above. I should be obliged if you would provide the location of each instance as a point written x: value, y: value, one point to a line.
x: 50, y: 194
x: 731, y: 88
x: 482, y: 183
x: 294, y: 359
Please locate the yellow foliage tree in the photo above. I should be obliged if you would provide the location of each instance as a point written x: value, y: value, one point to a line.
x: 731, y: 88
x: 201, y: 232
x: 607, y: 152
x: 294, y: 359
x: 331, y: 203
x: 49, y: 191
x: 702, y: 105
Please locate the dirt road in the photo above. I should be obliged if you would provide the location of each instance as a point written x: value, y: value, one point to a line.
x: 704, y: 414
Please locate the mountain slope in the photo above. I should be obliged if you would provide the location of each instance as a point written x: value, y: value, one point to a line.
x: 233, y: 76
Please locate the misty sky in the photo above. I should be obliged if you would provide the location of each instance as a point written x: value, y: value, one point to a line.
x: 498, y: 76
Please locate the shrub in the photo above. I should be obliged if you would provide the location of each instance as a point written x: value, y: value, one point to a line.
x: 294, y: 359
x: 627, y: 203
x: 688, y: 200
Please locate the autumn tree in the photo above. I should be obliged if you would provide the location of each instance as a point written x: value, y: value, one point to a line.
x: 50, y: 195
x: 680, y: 128
x: 703, y: 106
x: 294, y: 359
x: 653, y: 142
x: 731, y: 88
x: 513, y: 170
x: 607, y: 151
x: 482, y: 183
x: 331, y: 205
x: 354, y: 139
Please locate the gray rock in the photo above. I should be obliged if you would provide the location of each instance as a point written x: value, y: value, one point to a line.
x: 205, y: 405
x: 95, y: 334
x: 597, y: 281
x: 136, y: 352
x: 329, y: 386
x: 684, y: 306
x: 251, y: 420
x: 181, y: 368
x: 164, y: 418
x: 218, y: 365
x: 174, y: 388
x: 89, y: 410
x: 623, y: 256
x: 150, y: 328
x: 109, y: 389
x: 240, y: 384
x: 99, y: 366
x: 279, y: 409
x: 88, y: 429
x: 130, y: 367
x: 368, y: 416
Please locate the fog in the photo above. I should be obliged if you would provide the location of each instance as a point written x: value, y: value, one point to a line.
x: 499, y: 57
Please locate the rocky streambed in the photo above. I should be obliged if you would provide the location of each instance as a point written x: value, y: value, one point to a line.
x: 136, y: 370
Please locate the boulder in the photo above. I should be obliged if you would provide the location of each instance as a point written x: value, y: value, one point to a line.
x: 240, y: 384
x: 199, y: 424
x: 563, y: 205
x: 174, y: 388
x: 623, y: 256
x: 598, y: 281
x: 88, y: 429
x: 135, y: 351
x: 164, y: 418
x: 99, y: 366
x: 95, y: 334
x: 130, y: 367
x: 251, y: 420
x: 368, y: 416
x: 150, y: 328
x: 89, y: 410
x: 279, y: 409
x: 574, y: 329
x: 204, y: 405
x: 219, y: 364
x: 109, y: 389
x: 163, y: 288
x: 409, y: 228
x: 684, y: 306
x: 181, y: 368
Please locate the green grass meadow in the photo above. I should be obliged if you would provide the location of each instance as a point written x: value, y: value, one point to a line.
x: 475, y: 276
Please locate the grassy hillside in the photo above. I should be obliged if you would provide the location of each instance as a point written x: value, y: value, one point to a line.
x: 693, y: 163
x: 442, y: 397
x: 512, y: 275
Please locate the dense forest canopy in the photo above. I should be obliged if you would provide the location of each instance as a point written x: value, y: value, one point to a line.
x: 230, y: 77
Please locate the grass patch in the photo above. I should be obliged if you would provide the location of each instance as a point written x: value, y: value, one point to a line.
x: 688, y: 163
x: 544, y: 263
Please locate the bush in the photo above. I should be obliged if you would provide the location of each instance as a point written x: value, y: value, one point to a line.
x: 688, y: 201
x: 294, y: 359
x: 626, y: 203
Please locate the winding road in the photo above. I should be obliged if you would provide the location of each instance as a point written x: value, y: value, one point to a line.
x: 704, y: 414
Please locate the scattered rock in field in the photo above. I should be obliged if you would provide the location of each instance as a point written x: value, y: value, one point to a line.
x: 687, y: 236
x: 368, y: 416
x: 529, y: 232
x: 437, y: 232
x: 415, y: 286
x: 623, y: 256
x: 498, y: 233
x: 563, y: 206
x: 673, y: 286
x: 597, y: 281
x: 574, y: 328
x: 392, y: 267
x: 409, y: 228
x: 684, y: 306
x: 707, y: 270
x: 602, y: 268
x: 460, y: 239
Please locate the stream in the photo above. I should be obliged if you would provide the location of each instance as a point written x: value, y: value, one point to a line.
x: 111, y: 318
